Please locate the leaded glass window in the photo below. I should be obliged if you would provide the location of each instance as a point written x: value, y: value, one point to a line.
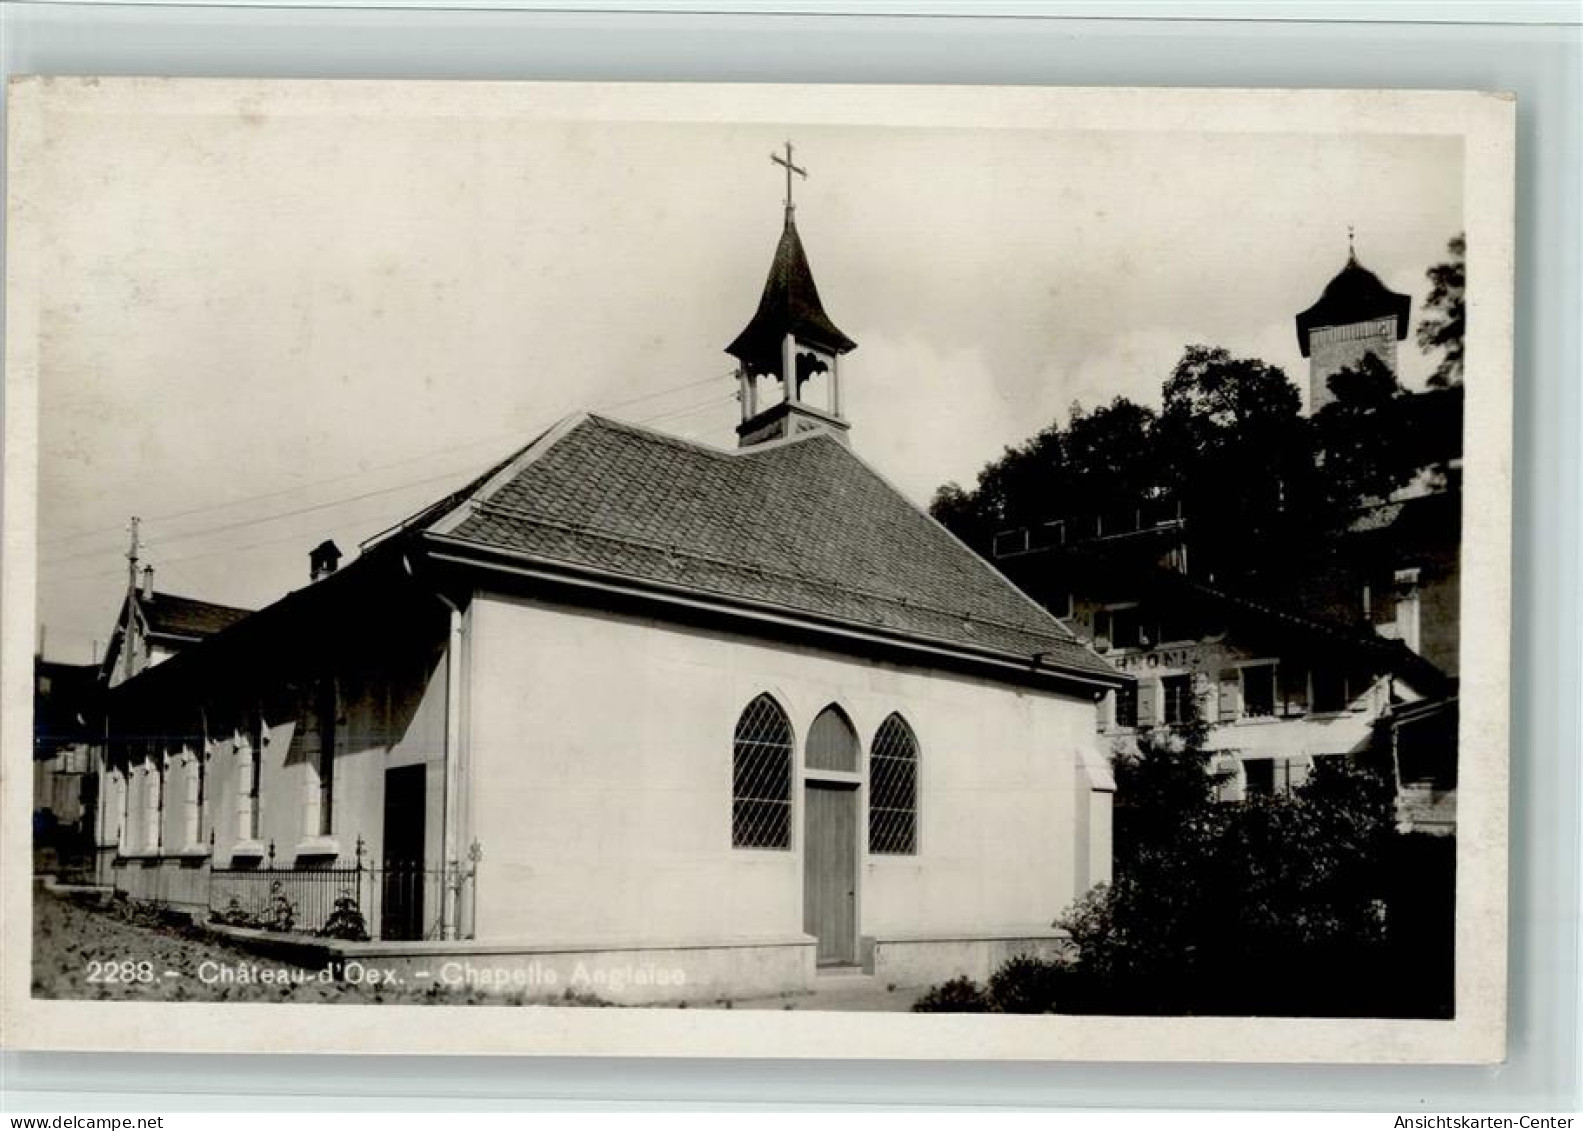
x: 761, y: 777
x: 893, y: 789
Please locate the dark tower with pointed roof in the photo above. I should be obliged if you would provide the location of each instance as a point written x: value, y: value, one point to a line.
x: 1356, y: 315
x: 789, y: 347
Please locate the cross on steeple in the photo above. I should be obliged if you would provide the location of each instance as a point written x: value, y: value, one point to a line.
x: 789, y: 340
x: 790, y: 169
x: 1352, y: 251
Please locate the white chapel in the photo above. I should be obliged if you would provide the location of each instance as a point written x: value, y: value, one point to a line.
x: 748, y: 714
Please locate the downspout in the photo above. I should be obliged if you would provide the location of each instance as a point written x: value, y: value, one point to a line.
x: 453, y: 745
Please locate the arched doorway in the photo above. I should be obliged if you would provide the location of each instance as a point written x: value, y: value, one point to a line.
x: 830, y: 845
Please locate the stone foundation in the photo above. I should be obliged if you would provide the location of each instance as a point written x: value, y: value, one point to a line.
x: 658, y: 973
x: 179, y: 883
x: 928, y: 959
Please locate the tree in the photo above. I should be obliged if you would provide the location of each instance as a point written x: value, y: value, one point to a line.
x: 1362, y: 435
x: 1135, y: 937
x: 1259, y: 484
x: 1018, y: 488
x: 1109, y: 456
x: 1236, y: 450
x: 960, y: 512
x: 1270, y: 907
x: 1101, y: 459
x: 1220, y: 398
x: 1445, y: 318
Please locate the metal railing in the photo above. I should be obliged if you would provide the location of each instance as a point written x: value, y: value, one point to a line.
x: 274, y: 898
x: 355, y: 901
x: 1075, y: 529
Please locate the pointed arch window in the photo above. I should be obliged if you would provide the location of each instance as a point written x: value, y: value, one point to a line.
x: 893, y: 789
x: 832, y: 742
x: 761, y: 777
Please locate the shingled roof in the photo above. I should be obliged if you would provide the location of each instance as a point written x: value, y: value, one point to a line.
x: 166, y: 614
x: 169, y: 620
x: 1354, y: 295
x: 789, y: 305
x: 801, y: 525
x: 1385, y: 654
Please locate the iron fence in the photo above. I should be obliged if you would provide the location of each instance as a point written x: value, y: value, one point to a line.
x: 303, y: 900
x: 354, y: 901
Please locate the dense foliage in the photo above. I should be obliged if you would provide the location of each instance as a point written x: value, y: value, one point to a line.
x: 1445, y: 322
x: 1230, y: 450
x: 1303, y: 905
x: 959, y: 995
x: 1274, y: 906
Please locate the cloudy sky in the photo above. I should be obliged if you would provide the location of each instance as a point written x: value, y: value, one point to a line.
x: 266, y: 323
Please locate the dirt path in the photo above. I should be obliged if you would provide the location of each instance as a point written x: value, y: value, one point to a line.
x: 93, y: 954
x: 114, y: 953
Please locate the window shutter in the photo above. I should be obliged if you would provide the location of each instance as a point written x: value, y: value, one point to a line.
x: 1148, y: 689
x: 1229, y: 686
x: 1294, y: 688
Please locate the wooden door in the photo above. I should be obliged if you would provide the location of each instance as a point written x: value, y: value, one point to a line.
x: 402, y: 877
x: 830, y: 871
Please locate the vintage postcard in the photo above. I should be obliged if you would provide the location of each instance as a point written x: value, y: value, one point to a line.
x: 752, y: 570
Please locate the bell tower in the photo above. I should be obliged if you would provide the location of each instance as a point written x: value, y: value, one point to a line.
x: 1356, y: 315
x: 788, y: 356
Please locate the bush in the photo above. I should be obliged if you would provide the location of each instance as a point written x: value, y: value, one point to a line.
x: 959, y: 995
x: 233, y: 914
x: 1272, y: 907
x: 282, y: 914
x: 1027, y: 984
x: 346, y: 921
x: 1024, y: 984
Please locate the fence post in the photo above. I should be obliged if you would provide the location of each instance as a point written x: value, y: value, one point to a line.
x: 208, y: 895
x: 475, y: 853
x: 363, y: 909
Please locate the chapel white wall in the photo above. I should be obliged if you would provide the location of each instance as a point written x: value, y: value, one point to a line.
x: 599, y: 784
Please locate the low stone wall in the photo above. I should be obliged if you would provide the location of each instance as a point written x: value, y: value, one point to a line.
x: 180, y: 883
x: 662, y: 972
x: 665, y: 973
x: 928, y: 959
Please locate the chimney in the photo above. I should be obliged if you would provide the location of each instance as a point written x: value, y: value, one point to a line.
x: 148, y: 582
x: 323, y: 560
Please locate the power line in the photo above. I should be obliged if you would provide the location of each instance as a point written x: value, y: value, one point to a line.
x: 161, y: 560
x: 276, y: 517
x: 662, y: 392
x: 715, y: 402
x: 680, y: 413
x: 174, y: 515
x: 383, y: 516
x: 206, y: 531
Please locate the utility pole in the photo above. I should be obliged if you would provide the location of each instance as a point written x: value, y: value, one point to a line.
x: 127, y: 661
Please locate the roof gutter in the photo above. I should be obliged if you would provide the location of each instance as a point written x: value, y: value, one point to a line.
x: 459, y: 552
